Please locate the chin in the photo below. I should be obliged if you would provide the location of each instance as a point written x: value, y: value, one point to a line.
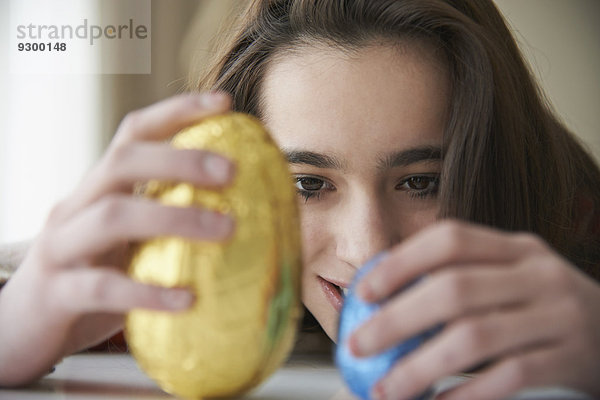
x: 327, y: 317
x: 331, y: 331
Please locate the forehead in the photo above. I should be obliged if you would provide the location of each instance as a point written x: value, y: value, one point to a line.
x: 328, y: 100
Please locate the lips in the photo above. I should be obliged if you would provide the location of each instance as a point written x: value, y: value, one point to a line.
x: 334, y: 292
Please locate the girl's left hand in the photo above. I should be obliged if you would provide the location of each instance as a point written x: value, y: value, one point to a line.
x: 507, y: 300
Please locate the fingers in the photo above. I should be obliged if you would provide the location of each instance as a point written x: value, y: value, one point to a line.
x: 119, y: 218
x: 89, y: 290
x: 446, y: 295
x: 440, y: 245
x: 145, y: 161
x: 133, y: 157
x: 505, y: 299
x: 470, y: 342
x: 66, y: 281
x: 165, y: 118
x: 532, y: 369
x: 121, y: 168
x: 91, y: 329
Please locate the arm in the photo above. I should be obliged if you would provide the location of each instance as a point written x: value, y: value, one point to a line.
x: 70, y: 290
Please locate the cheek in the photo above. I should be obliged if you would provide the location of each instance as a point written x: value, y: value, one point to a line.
x: 408, y: 219
x: 316, y: 239
x: 314, y: 235
x: 417, y: 220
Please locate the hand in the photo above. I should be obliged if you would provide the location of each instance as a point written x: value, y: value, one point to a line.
x: 71, y: 290
x: 508, y: 300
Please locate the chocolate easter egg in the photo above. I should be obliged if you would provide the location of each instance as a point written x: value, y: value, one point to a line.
x: 361, y: 374
x: 243, y: 322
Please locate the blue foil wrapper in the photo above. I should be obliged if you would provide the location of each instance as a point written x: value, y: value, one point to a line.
x: 361, y: 374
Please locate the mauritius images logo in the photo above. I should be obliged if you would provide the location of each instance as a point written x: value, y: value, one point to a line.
x: 89, y: 32
x: 75, y: 36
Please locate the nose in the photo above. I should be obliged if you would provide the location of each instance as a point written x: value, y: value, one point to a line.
x: 363, y: 229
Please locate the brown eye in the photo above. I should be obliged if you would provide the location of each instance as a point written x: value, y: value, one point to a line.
x: 420, y: 186
x: 309, y: 183
x: 419, y: 182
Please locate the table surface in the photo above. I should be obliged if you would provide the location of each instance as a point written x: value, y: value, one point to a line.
x: 96, y: 376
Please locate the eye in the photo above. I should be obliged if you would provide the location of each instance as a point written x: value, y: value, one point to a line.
x: 419, y: 182
x: 420, y: 185
x: 311, y: 186
x: 309, y: 183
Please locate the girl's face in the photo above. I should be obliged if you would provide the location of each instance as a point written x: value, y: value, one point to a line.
x: 362, y: 133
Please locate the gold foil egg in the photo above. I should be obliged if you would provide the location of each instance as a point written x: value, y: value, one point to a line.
x: 243, y: 323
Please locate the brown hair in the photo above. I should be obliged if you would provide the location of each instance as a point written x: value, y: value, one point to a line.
x: 507, y: 160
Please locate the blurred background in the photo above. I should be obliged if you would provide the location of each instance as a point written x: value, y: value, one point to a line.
x: 53, y: 128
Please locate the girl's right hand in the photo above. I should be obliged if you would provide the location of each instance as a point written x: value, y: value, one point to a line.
x: 71, y: 291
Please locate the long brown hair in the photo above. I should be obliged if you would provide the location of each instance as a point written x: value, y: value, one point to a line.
x: 508, y: 162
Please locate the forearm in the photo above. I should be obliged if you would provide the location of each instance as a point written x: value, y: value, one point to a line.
x: 32, y: 334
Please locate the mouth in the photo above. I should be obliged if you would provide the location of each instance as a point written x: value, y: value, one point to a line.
x: 334, y: 292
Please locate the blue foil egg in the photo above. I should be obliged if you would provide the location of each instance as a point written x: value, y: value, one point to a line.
x: 361, y: 374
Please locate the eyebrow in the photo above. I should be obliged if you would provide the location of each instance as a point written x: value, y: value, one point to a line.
x: 401, y: 158
x: 410, y: 156
x: 312, y: 158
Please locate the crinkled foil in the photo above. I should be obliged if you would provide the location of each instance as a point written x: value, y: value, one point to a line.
x: 243, y: 323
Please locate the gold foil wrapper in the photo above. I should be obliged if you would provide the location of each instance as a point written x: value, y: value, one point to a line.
x: 243, y: 323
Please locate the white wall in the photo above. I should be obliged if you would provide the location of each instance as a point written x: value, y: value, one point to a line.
x: 561, y: 39
x: 48, y: 139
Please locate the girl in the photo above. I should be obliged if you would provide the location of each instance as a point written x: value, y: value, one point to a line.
x: 411, y: 126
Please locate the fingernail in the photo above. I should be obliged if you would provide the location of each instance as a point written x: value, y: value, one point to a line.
x: 378, y: 392
x: 355, y: 346
x: 365, y: 291
x: 212, y: 99
x: 223, y: 226
x: 217, y: 168
x: 214, y: 225
x: 366, y: 288
x: 176, y: 298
